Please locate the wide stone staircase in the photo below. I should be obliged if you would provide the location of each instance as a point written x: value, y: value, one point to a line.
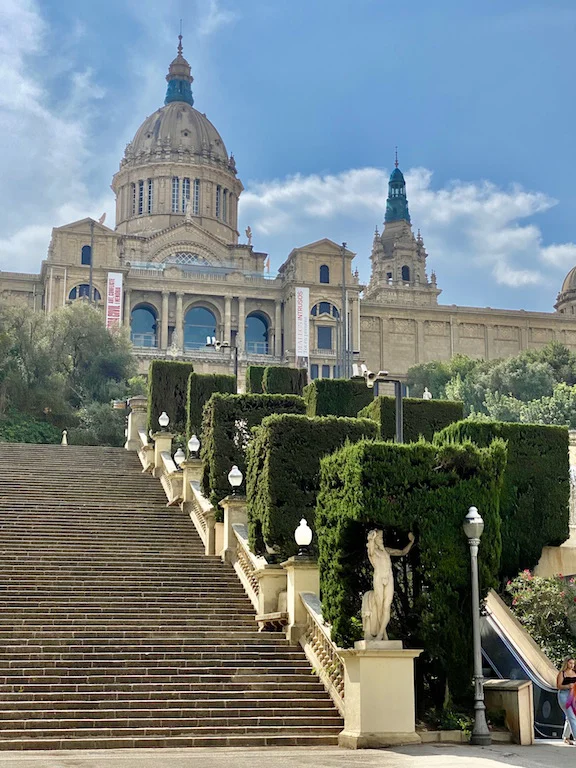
x: 117, y: 631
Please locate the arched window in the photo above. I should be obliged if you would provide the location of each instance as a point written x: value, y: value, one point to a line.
x: 257, y: 333
x: 133, y: 198
x: 83, y: 291
x: 218, y: 201
x: 196, y: 201
x: 175, y: 191
x: 324, y: 273
x: 150, y: 200
x: 199, y: 323
x: 86, y: 255
x: 144, y: 326
x: 406, y: 274
x: 324, y: 308
x: 140, y: 197
x: 185, y: 193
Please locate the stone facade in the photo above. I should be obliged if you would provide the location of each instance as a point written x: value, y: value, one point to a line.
x: 186, y: 276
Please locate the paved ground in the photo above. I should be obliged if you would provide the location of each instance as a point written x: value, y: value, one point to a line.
x: 544, y: 755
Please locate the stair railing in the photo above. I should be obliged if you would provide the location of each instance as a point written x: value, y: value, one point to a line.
x: 171, y: 479
x: 321, y: 652
x: 145, y: 451
x: 246, y: 564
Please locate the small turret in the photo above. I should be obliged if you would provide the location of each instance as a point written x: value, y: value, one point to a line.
x: 179, y: 79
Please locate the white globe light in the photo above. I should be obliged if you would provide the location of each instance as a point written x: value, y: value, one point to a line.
x: 164, y: 420
x: 473, y: 524
x: 303, y: 534
x: 235, y: 477
x: 194, y: 444
x: 179, y: 456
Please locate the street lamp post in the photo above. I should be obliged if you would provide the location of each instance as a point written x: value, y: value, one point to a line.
x: 473, y: 527
x: 372, y: 381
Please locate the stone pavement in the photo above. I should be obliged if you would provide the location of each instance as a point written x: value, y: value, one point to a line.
x: 549, y: 754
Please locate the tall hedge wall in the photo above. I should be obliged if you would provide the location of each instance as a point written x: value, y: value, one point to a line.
x: 283, y: 475
x: 279, y: 380
x: 168, y: 391
x: 421, y: 417
x: 535, y: 496
x: 226, y: 430
x: 337, y: 397
x: 254, y: 376
x: 201, y: 387
x: 426, y: 489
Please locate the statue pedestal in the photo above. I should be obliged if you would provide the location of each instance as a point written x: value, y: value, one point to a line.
x: 379, y: 695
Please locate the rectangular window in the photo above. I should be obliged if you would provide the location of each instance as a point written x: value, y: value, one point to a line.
x: 140, y: 197
x: 324, y: 337
x: 133, y: 192
x: 175, y: 191
x: 218, y: 200
x: 314, y: 371
x: 225, y: 205
x: 196, y: 201
x: 325, y: 371
x: 185, y: 193
x: 150, y: 201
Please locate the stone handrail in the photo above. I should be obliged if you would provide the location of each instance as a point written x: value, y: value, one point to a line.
x: 146, y: 451
x: 246, y: 564
x: 321, y: 652
x: 171, y: 479
x: 200, y: 509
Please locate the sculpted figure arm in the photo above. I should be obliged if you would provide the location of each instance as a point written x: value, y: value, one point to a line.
x: 402, y: 552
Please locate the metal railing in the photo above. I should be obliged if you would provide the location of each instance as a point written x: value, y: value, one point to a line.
x: 257, y: 347
x: 321, y: 652
x: 147, y: 340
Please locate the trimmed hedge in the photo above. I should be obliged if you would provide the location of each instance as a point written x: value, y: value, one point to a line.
x: 201, y: 387
x: 536, y: 491
x: 226, y: 430
x: 254, y: 376
x: 168, y: 391
x: 337, y: 397
x: 421, y: 417
x: 283, y: 475
x: 279, y: 380
x: 426, y: 489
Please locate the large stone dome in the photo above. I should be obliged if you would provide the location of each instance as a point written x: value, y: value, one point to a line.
x: 177, y: 128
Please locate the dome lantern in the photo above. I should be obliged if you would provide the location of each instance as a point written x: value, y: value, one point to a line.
x: 179, y: 79
x: 397, y: 202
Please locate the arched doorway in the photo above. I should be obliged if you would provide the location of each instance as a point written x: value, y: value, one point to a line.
x: 257, y: 332
x: 199, y: 324
x: 83, y: 292
x: 144, y: 326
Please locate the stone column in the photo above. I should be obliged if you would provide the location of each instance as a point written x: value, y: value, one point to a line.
x: 164, y: 321
x: 137, y: 420
x: 179, y: 330
x: 272, y: 582
x: 127, y: 304
x: 278, y: 329
x: 302, y: 576
x: 240, y: 336
x: 227, y: 319
x: 420, y: 342
x: 234, y: 512
x: 192, y: 470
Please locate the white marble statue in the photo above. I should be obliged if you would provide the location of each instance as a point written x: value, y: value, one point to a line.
x: 377, y: 602
x: 427, y: 394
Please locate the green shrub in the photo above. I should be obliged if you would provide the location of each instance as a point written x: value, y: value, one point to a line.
x: 422, y: 488
x: 99, y: 424
x: 201, y: 387
x: 283, y: 474
x: 226, y: 430
x: 18, y: 427
x: 279, y: 380
x: 536, y: 491
x: 254, y: 376
x: 167, y: 391
x: 337, y: 397
x: 421, y: 417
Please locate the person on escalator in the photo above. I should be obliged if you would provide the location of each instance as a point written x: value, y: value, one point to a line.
x: 566, y: 684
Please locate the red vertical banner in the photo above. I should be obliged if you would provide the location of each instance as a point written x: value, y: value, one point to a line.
x: 114, y: 300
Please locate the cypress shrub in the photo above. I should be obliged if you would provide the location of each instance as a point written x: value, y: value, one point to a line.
x: 201, y: 387
x: 536, y: 491
x: 279, y: 380
x: 226, y: 430
x: 168, y: 391
x: 426, y: 489
x: 421, y: 417
x: 254, y: 376
x: 337, y: 397
x: 283, y: 475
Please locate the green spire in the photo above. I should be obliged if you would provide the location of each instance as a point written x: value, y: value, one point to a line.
x: 179, y: 79
x: 397, y: 203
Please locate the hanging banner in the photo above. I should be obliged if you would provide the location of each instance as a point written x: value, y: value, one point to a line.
x: 302, y: 322
x: 114, y: 300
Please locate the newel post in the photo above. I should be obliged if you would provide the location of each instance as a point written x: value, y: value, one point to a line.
x: 162, y: 442
x: 137, y: 421
x: 234, y: 507
x: 302, y: 575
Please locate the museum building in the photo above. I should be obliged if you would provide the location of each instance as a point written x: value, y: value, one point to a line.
x: 182, y: 278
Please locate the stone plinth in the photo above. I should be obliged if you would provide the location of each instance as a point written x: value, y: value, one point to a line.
x: 234, y: 513
x: 302, y: 575
x: 379, y: 696
x: 192, y: 469
x: 137, y: 420
x: 272, y: 582
x: 162, y: 442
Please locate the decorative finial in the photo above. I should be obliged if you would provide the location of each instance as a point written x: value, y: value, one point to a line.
x: 180, y: 40
x: 396, y: 157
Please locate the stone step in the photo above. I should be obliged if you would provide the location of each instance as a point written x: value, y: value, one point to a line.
x: 156, y: 686
x: 64, y: 699
x: 177, y: 708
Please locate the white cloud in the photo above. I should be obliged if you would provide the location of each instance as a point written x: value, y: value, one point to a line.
x: 46, y: 146
x: 479, y: 223
x: 214, y: 18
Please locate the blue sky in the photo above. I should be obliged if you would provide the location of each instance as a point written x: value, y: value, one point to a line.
x: 312, y: 96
